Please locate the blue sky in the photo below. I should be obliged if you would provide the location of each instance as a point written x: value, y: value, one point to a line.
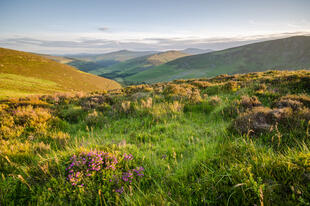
x: 94, y: 26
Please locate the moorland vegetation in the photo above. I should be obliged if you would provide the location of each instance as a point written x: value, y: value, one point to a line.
x: 228, y: 140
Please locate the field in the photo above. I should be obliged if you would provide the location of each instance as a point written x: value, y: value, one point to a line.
x: 227, y: 140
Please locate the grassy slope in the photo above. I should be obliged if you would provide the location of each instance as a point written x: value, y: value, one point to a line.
x: 96, y: 62
x: 131, y: 67
x: 191, y: 157
x: 91, y: 66
x: 22, y: 72
x: 282, y: 54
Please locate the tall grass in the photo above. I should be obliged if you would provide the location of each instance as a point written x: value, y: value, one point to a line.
x: 184, y: 134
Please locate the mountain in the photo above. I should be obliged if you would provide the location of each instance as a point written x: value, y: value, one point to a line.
x: 194, y: 51
x: 23, y: 73
x: 91, y: 62
x: 118, y: 56
x: 130, y: 67
x: 282, y: 54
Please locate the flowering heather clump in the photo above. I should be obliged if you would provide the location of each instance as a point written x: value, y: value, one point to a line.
x: 128, y: 156
x: 105, y: 168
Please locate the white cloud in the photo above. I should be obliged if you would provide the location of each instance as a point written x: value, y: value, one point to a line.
x: 62, y: 43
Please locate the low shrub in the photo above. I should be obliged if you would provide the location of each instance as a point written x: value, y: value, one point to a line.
x: 305, y: 99
x: 215, y: 100
x: 178, y: 91
x: 286, y: 123
x: 71, y: 113
x: 138, y: 88
x: 112, y: 175
x: 232, y: 86
x: 256, y: 121
x: 95, y: 119
x: 295, y: 105
x: 201, y: 84
x: 8, y: 129
x: 247, y: 102
x: 34, y: 120
x: 24, y: 121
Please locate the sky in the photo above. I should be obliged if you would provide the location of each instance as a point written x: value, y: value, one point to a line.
x: 99, y: 26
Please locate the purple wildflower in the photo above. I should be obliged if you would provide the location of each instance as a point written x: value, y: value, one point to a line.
x: 120, y: 190
x: 128, y: 157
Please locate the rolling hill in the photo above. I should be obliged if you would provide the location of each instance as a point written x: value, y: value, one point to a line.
x: 92, y: 62
x: 23, y: 73
x: 118, y: 56
x: 282, y: 54
x: 97, y: 63
x: 123, y: 70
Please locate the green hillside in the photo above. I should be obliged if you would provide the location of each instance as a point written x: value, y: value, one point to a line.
x: 92, y: 62
x: 123, y: 70
x: 91, y: 66
x: 23, y: 73
x: 282, y: 54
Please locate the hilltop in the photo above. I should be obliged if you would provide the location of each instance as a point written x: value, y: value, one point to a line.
x: 282, y: 54
x: 163, y: 57
x: 123, y: 70
x: 23, y: 73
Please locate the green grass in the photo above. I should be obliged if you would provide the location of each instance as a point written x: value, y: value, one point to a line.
x: 185, y: 140
x: 12, y: 85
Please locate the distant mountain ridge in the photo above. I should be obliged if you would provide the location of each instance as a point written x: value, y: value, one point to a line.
x: 119, y: 56
x: 123, y: 70
x: 100, y: 63
x: 282, y: 54
x: 194, y: 51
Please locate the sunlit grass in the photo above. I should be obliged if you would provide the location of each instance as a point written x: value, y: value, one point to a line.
x: 182, y: 133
